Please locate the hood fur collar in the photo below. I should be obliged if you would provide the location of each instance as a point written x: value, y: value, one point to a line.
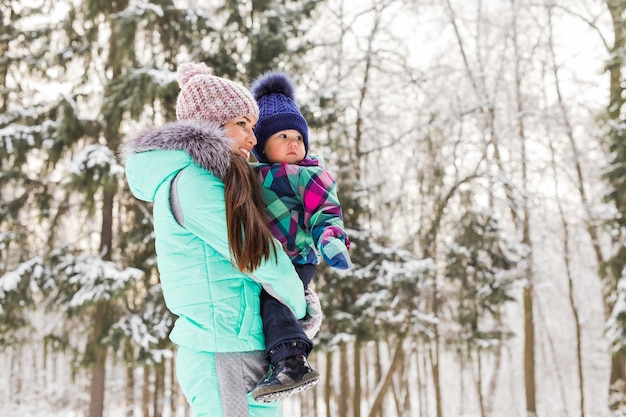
x: 205, y: 142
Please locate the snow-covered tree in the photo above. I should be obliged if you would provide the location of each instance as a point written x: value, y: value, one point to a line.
x: 79, y: 77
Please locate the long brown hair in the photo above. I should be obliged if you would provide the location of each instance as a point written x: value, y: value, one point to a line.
x: 249, y: 238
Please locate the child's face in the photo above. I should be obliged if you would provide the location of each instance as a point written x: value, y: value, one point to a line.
x: 240, y: 130
x: 285, y: 146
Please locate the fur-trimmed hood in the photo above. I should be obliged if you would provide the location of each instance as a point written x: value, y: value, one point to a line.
x: 156, y: 155
x: 206, y: 143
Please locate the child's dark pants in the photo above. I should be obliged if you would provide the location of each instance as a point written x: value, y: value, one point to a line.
x: 284, y: 336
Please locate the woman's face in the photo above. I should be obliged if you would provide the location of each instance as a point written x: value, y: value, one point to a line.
x: 241, y: 131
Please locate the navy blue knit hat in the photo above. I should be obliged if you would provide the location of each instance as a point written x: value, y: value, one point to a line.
x: 278, y: 111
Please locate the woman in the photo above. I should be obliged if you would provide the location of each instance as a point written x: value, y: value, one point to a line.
x: 214, y: 251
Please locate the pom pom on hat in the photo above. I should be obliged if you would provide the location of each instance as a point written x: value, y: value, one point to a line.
x: 273, y: 83
x: 203, y: 96
x: 278, y: 111
x: 189, y: 69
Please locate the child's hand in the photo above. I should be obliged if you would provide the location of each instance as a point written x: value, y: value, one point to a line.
x: 335, y: 253
x: 312, y: 322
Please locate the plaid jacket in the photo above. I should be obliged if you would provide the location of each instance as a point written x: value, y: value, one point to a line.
x: 302, y: 207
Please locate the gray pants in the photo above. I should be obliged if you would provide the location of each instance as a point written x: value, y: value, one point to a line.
x: 219, y: 384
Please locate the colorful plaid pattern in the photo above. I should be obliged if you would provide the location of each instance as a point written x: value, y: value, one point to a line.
x: 301, y: 204
x: 335, y: 253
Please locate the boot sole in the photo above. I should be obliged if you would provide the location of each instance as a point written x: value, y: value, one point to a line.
x: 272, y: 393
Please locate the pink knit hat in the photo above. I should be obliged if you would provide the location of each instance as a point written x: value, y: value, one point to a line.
x: 204, y: 96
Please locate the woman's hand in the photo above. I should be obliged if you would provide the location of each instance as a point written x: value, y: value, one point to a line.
x: 312, y: 321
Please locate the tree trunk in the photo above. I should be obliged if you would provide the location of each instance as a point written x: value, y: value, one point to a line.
x: 567, y: 260
x: 130, y: 385
x: 495, y: 375
x: 356, y: 400
x: 174, y: 393
x: 305, y: 402
x: 97, y: 353
x: 434, y: 364
x: 479, y: 383
x: 328, y: 388
x: 383, y: 386
x: 343, y: 400
x: 15, y: 389
x: 402, y: 385
x: 422, y: 381
x: 528, y: 295
x: 579, y: 347
x: 617, y: 387
x: 159, y: 390
x: 145, y: 392
x: 529, y: 351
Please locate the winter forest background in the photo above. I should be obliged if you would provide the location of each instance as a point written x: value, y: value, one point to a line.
x: 480, y: 155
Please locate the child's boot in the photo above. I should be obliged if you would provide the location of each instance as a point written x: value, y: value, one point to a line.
x: 285, y: 377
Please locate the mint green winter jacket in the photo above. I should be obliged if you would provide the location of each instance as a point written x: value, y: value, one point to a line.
x: 216, y: 304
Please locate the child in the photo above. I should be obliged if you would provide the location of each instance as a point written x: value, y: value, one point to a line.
x: 303, y: 213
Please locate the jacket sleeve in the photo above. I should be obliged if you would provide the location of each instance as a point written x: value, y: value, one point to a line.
x: 322, y: 211
x: 201, y: 196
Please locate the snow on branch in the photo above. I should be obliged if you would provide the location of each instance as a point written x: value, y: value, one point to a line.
x: 94, y: 156
x: 88, y: 278
x: 32, y: 269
